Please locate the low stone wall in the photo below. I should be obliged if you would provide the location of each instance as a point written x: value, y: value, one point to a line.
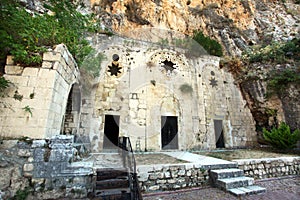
x: 270, y: 167
x: 178, y: 176
x: 171, y: 177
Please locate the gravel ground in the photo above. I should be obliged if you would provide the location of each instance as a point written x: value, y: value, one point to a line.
x: 277, y: 189
x: 248, y: 153
x: 156, y: 158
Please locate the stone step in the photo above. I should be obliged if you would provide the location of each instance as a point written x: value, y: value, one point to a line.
x: 107, y: 160
x: 112, y: 183
x: 109, y: 173
x: 113, y: 194
x: 229, y: 183
x: 252, y: 189
x: 225, y: 173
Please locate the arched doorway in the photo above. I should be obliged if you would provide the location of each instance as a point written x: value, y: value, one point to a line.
x: 72, y: 113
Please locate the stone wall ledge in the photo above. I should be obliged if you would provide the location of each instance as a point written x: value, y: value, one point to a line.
x: 267, y: 160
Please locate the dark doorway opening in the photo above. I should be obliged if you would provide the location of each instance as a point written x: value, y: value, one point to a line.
x: 169, y: 130
x: 111, y: 132
x: 219, y: 134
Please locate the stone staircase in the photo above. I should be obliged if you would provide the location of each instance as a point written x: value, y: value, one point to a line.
x: 234, y: 181
x: 116, y: 177
x: 113, y: 184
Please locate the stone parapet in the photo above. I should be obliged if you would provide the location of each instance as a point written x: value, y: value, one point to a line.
x: 177, y: 176
x: 169, y: 177
x: 270, y: 167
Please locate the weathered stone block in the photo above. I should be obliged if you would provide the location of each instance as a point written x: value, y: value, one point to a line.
x: 10, y: 60
x: 28, y: 167
x: 30, y: 71
x: 52, y: 56
x: 47, y: 64
x: 13, y: 70
x: 167, y: 174
x: 181, y: 172
x: 38, y: 143
x: 24, y: 153
x: 154, y: 188
x: 171, y: 181
x: 161, y: 181
x: 28, y: 174
x: 176, y: 186
x: 38, y: 155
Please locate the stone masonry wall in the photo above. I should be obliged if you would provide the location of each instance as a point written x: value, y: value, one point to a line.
x: 171, y: 177
x: 44, y: 167
x: 35, y: 102
x: 270, y: 167
x: 174, y: 176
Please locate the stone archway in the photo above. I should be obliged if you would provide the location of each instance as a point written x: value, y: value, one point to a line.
x: 72, y: 113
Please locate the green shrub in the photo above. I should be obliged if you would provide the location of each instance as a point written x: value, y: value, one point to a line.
x: 278, y: 81
x: 210, y: 45
x: 278, y: 52
x: 282, y: 137
x: 27, y: 35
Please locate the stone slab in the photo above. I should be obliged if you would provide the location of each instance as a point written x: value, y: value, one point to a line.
x: 229, y: 183
x: 241, y: 191
x: 226, y: 173
x: 237, y: 192
x: 204, y: 161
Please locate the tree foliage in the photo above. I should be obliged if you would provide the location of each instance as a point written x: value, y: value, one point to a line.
x: 278, y: 81
x: 278, y: 52
x: 282, y: 137
x: 210, y: 45
x: 26, y: 35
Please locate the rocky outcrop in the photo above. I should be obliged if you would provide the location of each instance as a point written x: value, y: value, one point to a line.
x: 235, y: 24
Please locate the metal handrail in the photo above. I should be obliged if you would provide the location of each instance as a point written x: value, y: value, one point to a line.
x: 129, y: 159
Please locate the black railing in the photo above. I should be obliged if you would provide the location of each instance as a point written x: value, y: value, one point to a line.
x: 130, y: 164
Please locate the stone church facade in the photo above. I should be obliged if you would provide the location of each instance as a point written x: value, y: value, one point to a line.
x: 160, y: 97
x: 163, y: 99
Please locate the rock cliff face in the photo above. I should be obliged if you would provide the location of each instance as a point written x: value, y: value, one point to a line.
x: 235, y: 24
